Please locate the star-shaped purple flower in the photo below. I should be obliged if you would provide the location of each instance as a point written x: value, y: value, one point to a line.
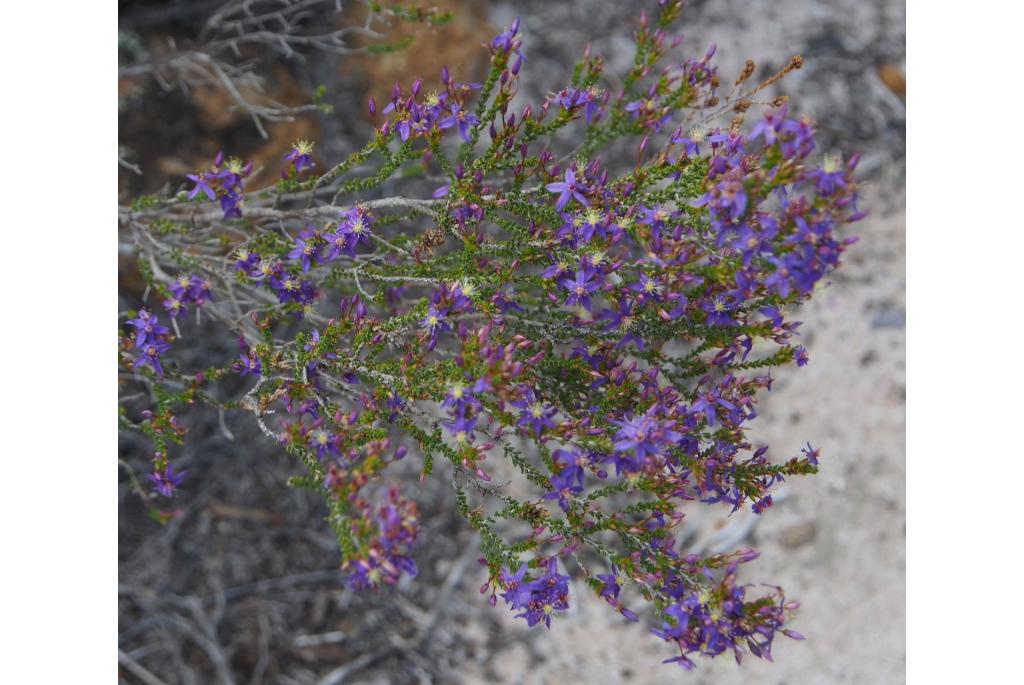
x: 567, y: 190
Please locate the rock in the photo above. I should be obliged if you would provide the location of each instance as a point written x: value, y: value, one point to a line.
x: 798, y: 534
x: 890, y: 318
x: 893, y: 78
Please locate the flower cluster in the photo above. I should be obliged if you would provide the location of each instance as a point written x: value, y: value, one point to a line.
x: 150, y: 341
x: 186, y: 290
x: 431, y: 115
x: 716, y: 617
x: 601, y: 333
x: 387, y: 554
x: 539, y: 598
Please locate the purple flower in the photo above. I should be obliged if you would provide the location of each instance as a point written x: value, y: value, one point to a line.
x: 611, y: 583
x: 150, y: 356
x: 249, y: 364
x: 507, y: 40
x: 719, y: 309
x: 337, y: 244
x: 166, y: 482
x: 555, y: 271
x: 462, y: 395
x: 580, y: 288
x: 199, y: 290
x: 202, y: 186
x: 174, y: 306
x: 567, y: 190
x: 461, y: 429
x: 811, y: 454
x: 434, y: 323
x: 300, y: 155
x: 620, y: 318
x: 648, y: 288
x: 690, y: 141
x: 590, y: 99
x: 590, y: 223
x: 354, y: 224
x: 800, y: 354
x: 147, y: 330
x: 395, y: 403
x: 830, y: 177
x: 706, y: 404
x: 533, y: 413
x: 644, y: 436
x: 306, y: 251
x: 231, y: 177
x: 516, y: 593
x: 568, y: 478
x: 537, y: 599
x: 322, y: 441
x: 247, y: 262
x: 460, y: 119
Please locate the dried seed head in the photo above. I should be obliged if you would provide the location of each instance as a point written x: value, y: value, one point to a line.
x: 748, y: 70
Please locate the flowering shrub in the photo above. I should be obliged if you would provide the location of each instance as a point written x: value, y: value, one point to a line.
x: 578, y: 351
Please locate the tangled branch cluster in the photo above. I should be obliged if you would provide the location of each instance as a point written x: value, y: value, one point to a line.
x: 601, y: 337
x: 241, y: 32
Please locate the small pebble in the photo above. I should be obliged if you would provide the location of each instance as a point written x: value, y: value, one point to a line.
x: 890, y: 318
x: 798, y: 534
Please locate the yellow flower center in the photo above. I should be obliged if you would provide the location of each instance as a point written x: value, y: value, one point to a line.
x: 831, y: 163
